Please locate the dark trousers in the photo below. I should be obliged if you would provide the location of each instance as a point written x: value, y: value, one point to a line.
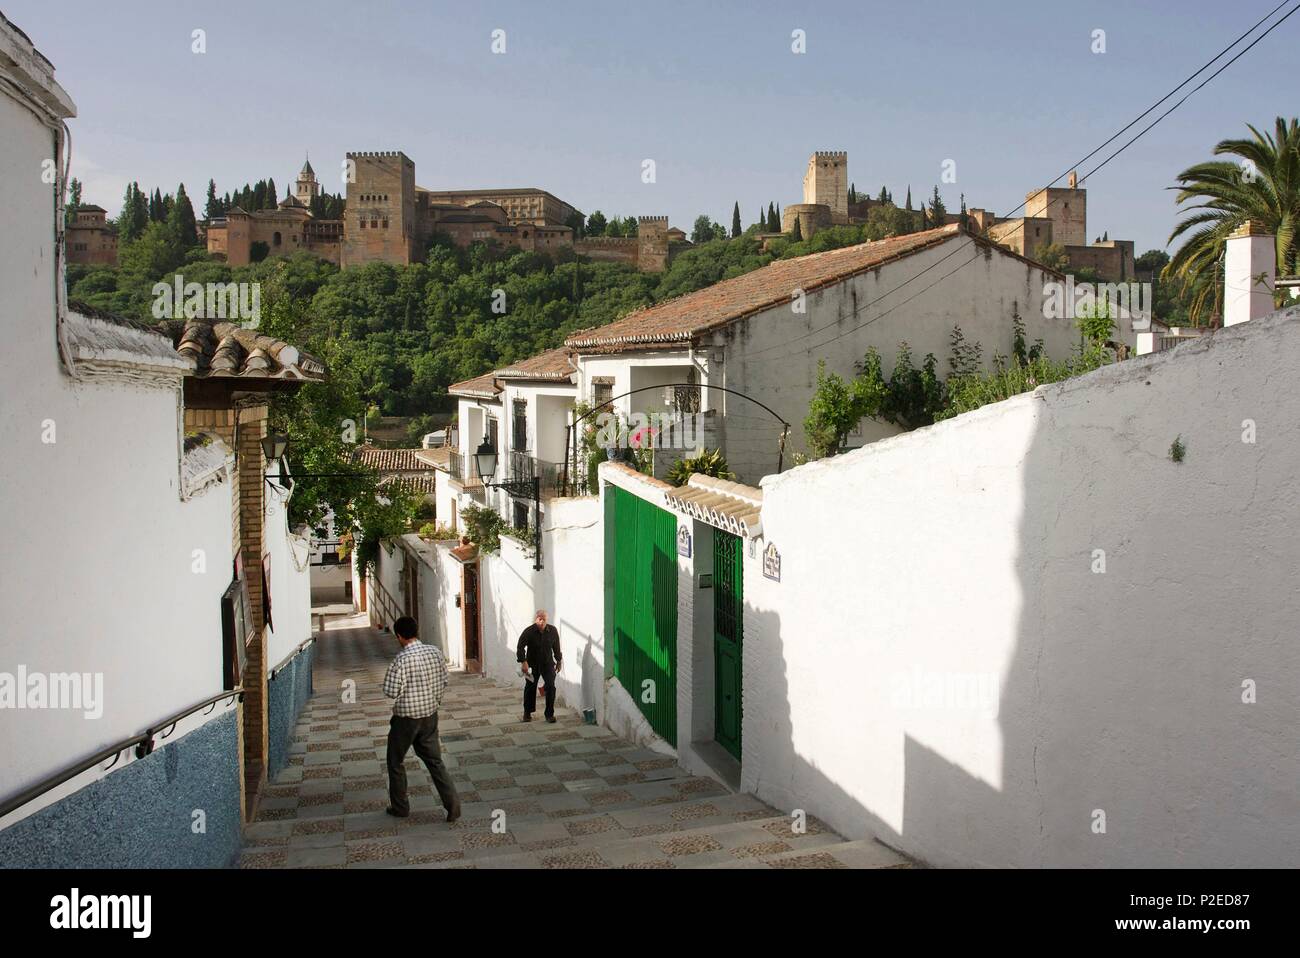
x: 546, y: 672
x: 422, y: 733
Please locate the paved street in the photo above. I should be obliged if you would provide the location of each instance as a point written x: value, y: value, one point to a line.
x: 572, y: 795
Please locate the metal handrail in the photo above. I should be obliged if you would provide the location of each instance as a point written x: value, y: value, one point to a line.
x: 144, y: 744
x: 284, y: 663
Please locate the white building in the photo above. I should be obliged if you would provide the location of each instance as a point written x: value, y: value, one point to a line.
x: 129, y: 508
x: 761, y: 335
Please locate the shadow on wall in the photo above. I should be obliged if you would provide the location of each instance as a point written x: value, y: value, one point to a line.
x: 1146, y: 714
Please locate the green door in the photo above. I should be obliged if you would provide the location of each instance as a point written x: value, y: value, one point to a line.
x: 641, y: 581
x: 728, y: 639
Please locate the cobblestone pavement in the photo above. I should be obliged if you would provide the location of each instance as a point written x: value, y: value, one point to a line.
x: 569, y: 795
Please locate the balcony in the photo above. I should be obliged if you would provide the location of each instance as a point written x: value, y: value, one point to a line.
x: 462, y: 473
x: 521, y: 467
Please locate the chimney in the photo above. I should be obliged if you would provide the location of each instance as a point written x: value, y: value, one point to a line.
x: 1249, y: 270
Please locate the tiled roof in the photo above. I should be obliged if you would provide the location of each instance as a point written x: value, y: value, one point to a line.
x: 421, y: 485
x: 686, y: 317
x: 552, y: 364
x: 439, y: 457
x: 390, y: 460
x: 221, y: 349
x: 95, y: 335
x: 480, y: 387
x: 727, y: 505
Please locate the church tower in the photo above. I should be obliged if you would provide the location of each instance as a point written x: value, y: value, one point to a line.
x: 307, y: 187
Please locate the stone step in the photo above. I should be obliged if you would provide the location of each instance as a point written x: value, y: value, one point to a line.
x: 734, y: 844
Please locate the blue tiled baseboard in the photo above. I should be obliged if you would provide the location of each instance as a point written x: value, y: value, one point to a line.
x: 178, y: 807
x: 286, y: 694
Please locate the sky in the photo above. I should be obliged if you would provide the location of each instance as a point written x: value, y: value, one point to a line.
x: 1012, y: 92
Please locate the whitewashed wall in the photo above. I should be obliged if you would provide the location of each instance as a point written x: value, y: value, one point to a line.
x: 773, y: 355
x: 101, y: 550
x: 941, y: 665
x: 290, y: 580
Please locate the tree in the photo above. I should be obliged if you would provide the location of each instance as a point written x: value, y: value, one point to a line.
x: 853, y: 193
x: 74, y: 201
x: 181, y: 220
x: 938, y: 212
x: 1263, y: 185
x: 703, y: 229
x: 1053, y: 256
x: 908, y: 207
x: 735, y: 220
x: 773, y: 221
x: 134, y: 217
x: 596, y: 224
x: 796, y: 234
x: 838, y: 406
x: 212, y: 209
x: 884, y: 196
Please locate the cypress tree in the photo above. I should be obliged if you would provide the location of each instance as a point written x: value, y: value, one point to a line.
x: 937, y: 210
x: 773, y: 222
x: 796, y: 234
x: 735, y: 220
x: 135, y: 214
x: 181, y: 221
x: 155, y: 206
x: 272, y: 197
x: 909, y: 197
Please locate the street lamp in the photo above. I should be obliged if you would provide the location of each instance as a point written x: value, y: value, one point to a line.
x: 274, y: 446
x: 485, y: 464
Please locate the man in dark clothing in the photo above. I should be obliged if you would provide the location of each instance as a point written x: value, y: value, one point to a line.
x: 539, y: 654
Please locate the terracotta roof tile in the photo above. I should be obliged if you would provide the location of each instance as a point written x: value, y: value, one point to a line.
x: 552, y: 364
x: 221, y: 349
x: 686, y: 317
x: 390, y: 460
x: 439, y: 457
x: 480, y: 387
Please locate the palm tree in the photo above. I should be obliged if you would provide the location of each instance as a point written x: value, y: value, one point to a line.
x: 1263, y: 185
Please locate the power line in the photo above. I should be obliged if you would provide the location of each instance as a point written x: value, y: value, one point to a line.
x: 1099, y: 166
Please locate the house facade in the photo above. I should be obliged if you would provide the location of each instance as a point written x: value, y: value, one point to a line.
x: 134, y: 673
x: 753, y: 344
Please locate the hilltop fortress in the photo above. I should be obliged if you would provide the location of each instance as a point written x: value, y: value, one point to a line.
x: 387, y: 218
x: 1056, y: 215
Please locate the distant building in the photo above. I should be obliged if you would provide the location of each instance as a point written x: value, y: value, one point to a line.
x: 91, y: 239
x: 286, y: 229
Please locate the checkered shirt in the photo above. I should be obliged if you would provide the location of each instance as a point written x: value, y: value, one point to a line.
x: 416, y: 678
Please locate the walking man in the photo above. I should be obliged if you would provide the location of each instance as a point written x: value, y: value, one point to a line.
x: 416, y: 679
x: 539, y: 652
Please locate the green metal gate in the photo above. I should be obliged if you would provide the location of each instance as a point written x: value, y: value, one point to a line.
x: 728, y: 639
x: 641, y: 605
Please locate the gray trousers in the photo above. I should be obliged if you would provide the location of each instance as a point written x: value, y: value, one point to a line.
x: 422, y: 734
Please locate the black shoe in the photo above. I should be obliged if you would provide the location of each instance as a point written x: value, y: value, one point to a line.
x: 551, y: 719
x: 527, y: 717
x: 395, y: 813
x: 453, y: 813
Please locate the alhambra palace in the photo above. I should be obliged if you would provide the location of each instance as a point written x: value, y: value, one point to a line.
x: 390, y: 219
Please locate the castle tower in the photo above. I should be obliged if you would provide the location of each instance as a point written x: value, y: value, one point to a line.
x: 306, y: 188
x: 379, y: 221
x: 1066, y: 207
x: 652, y: 243
x: 826, y: 183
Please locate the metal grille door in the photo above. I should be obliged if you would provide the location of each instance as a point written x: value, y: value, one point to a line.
x: 728, y: 639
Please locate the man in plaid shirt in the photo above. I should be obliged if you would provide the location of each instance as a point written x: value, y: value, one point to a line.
x: 416, y: 679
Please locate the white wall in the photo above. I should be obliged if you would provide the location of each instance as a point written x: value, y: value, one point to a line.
x: 100, y: 561
x: 290, y: 579
x: 569, y: 586
x: 966, y: 553
x: 773, y: 355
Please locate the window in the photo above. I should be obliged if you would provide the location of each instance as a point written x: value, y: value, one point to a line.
x: 385, y: 224
x: 362, y: 223
x: 275, y: 239
x: 521, y: 515
x: 519, y: 428
x: 602, y: 393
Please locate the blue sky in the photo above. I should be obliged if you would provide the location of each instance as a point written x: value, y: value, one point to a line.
x: 1011, y: 91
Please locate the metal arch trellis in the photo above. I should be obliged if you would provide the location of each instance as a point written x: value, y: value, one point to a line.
x: 570, y: 445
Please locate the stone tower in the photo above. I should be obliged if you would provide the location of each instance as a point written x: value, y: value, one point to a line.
x: 652, y: 243
x: 1066, y: 207
x: 827, y: 183
x: 379, y: 221
x: 306, y: 189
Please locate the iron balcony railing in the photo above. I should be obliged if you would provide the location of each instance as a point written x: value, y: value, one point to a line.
x: 523, y: 468
x: 462, y: 470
